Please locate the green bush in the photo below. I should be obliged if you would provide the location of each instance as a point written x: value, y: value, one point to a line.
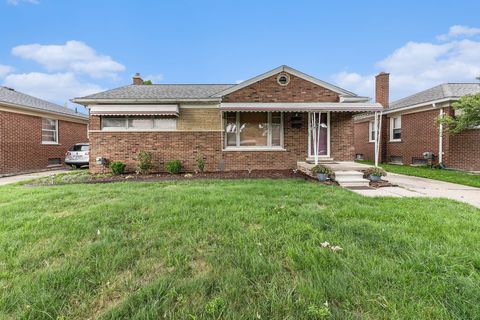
x: 200, y: 164
x: 173, y: 166
x: 374, y: 171
x: 144, y: 162
x: 117, y: 167
x: 320, y: 168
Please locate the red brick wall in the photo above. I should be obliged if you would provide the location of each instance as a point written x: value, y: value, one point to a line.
x: 21, y: 148
x: 464, y: 150
x: 187, y: 146
x: 268, y: 90
x: 362, y: 146
x: 419, y: 134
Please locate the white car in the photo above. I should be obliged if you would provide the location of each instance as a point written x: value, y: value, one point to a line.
x: 78, y: 155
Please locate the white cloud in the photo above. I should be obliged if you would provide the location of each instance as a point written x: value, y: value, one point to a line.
x: 154, y: 77
x: 418, y: 66
x: 4, y: 70
x: 459, y: 31
x: 56, y: 87
x: 73, y: 56
x: 239, y: 81
x: 17, y: 2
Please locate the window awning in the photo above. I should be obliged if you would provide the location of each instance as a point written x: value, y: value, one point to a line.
x: 135, y: 110
x: 302, y: 107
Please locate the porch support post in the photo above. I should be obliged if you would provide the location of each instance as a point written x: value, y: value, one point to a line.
x: 314, y: 135
x: 378, y: 128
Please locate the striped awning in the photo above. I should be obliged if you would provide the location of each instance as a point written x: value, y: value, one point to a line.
x: 135, y: 110
x: 302, y: 107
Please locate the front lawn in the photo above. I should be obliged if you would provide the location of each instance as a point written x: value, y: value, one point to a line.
x: 460, y: 177
x: 234, y: 249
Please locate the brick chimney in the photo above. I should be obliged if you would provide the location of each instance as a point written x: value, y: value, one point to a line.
x: 382, y: 88
x: 137, y: 79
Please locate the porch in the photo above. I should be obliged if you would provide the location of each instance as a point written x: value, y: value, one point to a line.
x: 310, y: 132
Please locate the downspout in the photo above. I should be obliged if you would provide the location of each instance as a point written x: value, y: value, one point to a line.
x: 440, y: 138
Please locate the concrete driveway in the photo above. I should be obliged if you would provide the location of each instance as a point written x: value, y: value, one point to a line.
x: 421, y: 187
x: 29, y: 176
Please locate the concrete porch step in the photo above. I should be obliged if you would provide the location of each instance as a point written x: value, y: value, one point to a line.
x: 349, y: 174
x: 351, y: 179
x: 320, y: 160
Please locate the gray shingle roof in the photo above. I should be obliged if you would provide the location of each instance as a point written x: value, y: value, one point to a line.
x: 442, y: 91
x: 161, y: 91
x: 11, y: 96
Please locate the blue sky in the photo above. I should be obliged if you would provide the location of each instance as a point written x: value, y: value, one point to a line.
x: 61, y: 49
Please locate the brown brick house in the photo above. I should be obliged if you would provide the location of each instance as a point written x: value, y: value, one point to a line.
x: 35, y: 134
x: 409, y: 129
x: 266, y: 122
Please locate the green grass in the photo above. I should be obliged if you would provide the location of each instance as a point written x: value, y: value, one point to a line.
x: 460, y: 177
x: 234, y: 249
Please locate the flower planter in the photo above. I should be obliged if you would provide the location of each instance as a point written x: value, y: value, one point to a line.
x: 322, y: 177
x: 374, y: 178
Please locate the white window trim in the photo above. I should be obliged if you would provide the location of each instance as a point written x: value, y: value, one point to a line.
x: 56, y: 132
x: 371, y: 124
x: 268, y: 147
x: 391, y: 128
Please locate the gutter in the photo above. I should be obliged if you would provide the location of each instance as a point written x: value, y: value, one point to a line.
x: 433, y: 102
x: 49, y: 112
x: 86, y: 102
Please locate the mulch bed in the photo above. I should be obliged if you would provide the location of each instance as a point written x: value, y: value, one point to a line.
x: 381, y: 184
x: 254, y: 174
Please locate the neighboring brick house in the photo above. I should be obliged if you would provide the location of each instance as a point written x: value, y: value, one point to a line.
x: 262, y: 123
x: 35, y: 134
x: 409, y: 129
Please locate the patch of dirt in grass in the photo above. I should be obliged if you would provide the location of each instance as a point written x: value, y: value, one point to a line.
x: 199, y: 266
x: 125, y: 283
x: 254, y: 226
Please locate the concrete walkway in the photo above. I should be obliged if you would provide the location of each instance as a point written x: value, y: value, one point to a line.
x: 409, y: 186
x: 28, y: 176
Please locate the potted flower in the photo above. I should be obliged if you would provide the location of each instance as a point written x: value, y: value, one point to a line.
x: 374, y: 173
x: 322, y: 172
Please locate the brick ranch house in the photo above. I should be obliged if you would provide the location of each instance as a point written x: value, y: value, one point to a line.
x: 262, y: 123
x: 35, y: 134
x: 409, y: 129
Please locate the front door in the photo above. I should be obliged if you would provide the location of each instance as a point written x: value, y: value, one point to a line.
x: 319, y: 134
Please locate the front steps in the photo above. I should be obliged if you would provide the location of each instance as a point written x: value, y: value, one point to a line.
x: 347, y: 174
x: 351, y: 179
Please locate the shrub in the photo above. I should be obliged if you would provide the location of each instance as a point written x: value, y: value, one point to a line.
x: 320, y: 168
x: 215, y: 307
x: 117, y: 167
x: 200, y: 164
x: 144, y: 162
x: 173, y: 166
x: 374, y: 171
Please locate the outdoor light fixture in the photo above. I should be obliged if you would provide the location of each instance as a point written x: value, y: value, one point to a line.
x: 296, y: 120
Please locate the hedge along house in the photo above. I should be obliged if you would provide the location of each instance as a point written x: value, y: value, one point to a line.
x: 268, y: 122
x: 409, y: 129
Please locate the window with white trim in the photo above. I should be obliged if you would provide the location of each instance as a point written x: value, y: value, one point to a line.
x: 371, y: 131
x: 49, y: 131
x: 396, y: 128
x: 253, y: 130
x: 135, y: 123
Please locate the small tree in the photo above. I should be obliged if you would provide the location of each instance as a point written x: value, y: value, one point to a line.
x: 147, y: 82
x: 467, y: 114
